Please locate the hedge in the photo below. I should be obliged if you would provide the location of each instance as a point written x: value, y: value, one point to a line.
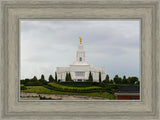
x: 79, y: 84
x: 62, y: 88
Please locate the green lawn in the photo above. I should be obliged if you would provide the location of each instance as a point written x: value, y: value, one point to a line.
x: 37, y: 89
x: 43, y: 90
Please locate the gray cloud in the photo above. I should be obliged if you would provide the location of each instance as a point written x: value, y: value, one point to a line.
x: 46, y: 45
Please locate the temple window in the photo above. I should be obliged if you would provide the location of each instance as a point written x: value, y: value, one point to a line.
x: 80, y: 59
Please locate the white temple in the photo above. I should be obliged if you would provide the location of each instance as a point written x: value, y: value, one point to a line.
x: 80, y: 69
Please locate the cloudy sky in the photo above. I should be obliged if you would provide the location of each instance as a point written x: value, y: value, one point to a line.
x: 46, y: 45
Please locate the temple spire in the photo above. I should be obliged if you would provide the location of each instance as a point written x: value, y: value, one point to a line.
x: 80, y: 40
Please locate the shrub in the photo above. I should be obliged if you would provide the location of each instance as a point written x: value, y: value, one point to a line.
x: 62, y: 88
x: 79, y: 84
x: 23, y: 88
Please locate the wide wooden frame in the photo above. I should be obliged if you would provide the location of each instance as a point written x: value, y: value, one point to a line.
x: 12, y: 11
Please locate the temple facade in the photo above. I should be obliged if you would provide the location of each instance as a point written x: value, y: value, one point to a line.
x: 80, y: 69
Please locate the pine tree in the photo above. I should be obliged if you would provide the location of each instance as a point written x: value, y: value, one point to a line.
x: 34, y: 78
x: 124, y: 80
x: 55, y: 76
x: 42, y: 77
x: 69, y: 77
x: 100, y: 77
x: 90, y: 78
x: 51, y: 79
x: 106, y: 79
x: 66, y: 78
x: 117, y: 79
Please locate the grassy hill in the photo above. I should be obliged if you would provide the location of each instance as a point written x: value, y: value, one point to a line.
x: 58, y: 89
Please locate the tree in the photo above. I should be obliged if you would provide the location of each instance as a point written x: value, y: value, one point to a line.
x: 100, y: 77
x: 137, y: 82
x: 42, y: 80
x: 34, y: 79
x: 124, y: 80
x: 132, y: 80
x: 42, y: 77
x: 117, y: 79
x: 111, y: 81
x: 51, y: 79
x: 55, y: 76
x: 106, y: 80
x: 67, y: 78
x: 26, y: 80
x: 90, y: 78
x: 129, y: 80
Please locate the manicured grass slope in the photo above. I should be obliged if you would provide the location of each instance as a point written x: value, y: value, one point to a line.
x: 49, y: 90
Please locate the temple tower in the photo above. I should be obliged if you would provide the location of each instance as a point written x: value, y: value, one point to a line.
x: 80, y: 57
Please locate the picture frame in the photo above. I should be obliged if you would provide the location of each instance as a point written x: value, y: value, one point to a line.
x: 14, y: 11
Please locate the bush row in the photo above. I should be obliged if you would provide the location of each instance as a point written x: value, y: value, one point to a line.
x: 33, y: 83
x: 74, y: 90
x: 79, y: 84
x: 111, y: 88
